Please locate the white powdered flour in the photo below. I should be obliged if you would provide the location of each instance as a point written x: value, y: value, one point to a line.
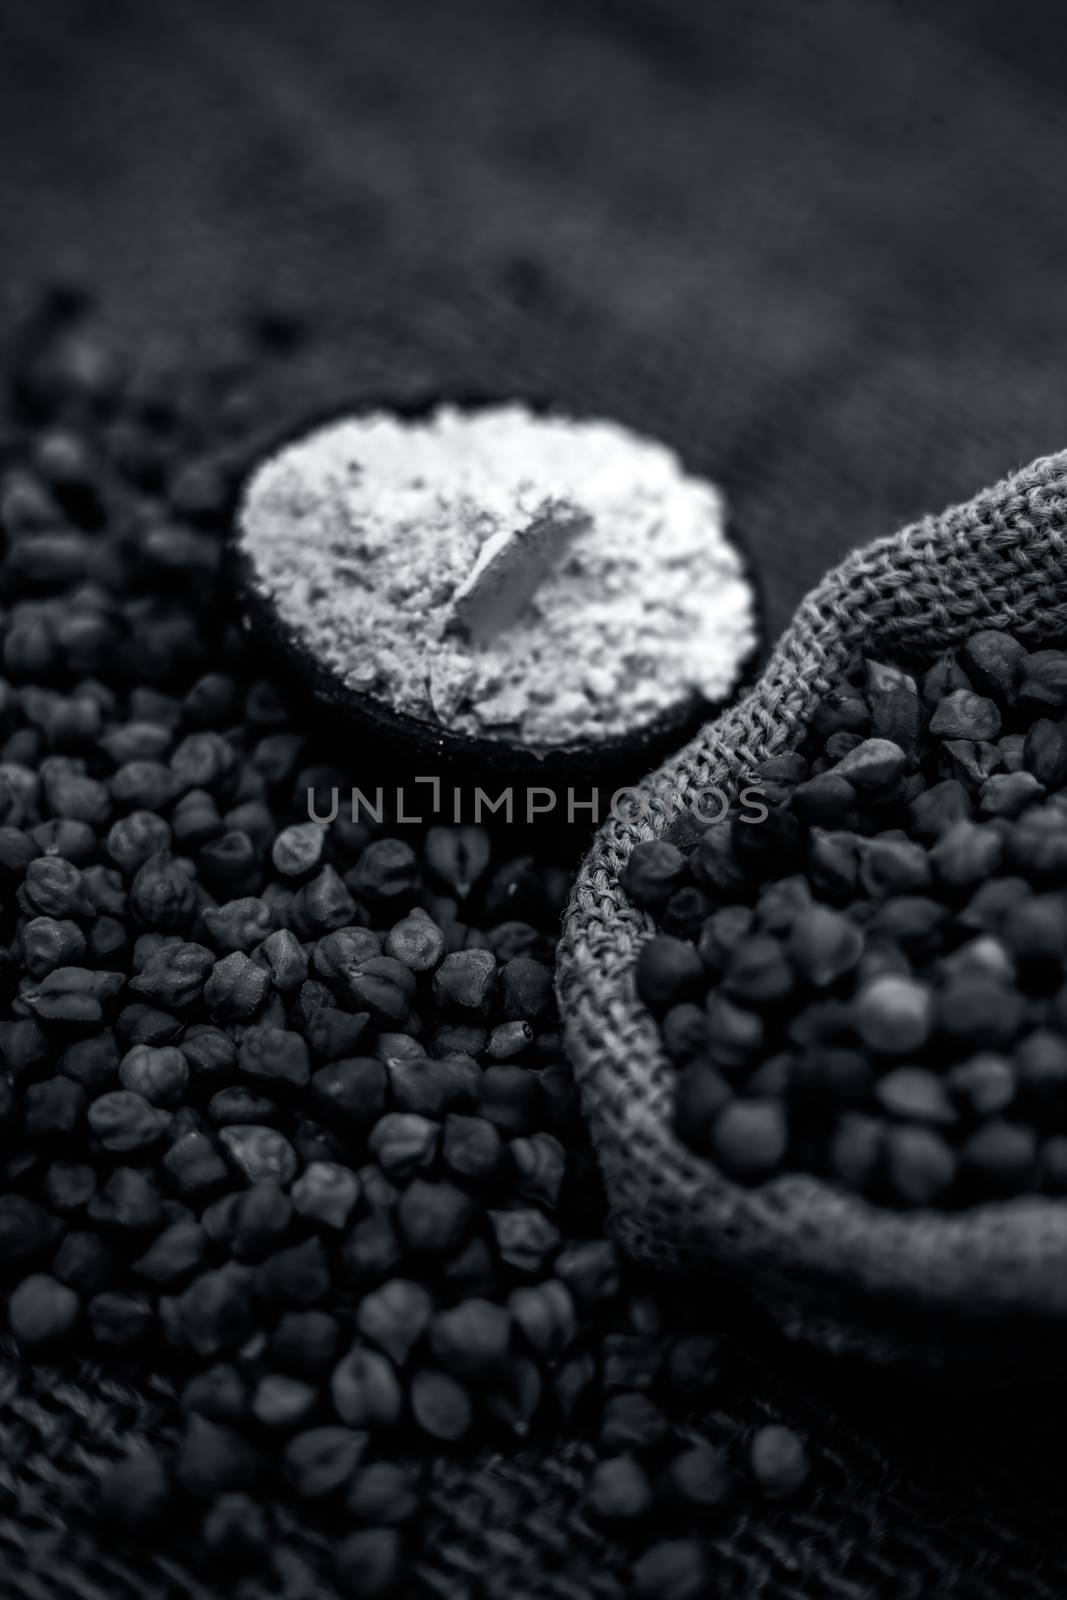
x: 362, y: 532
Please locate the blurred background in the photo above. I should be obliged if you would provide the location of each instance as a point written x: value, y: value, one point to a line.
x: 820, y: 249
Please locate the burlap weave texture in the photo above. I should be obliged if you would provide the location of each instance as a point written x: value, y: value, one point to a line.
x: 826, y: 1261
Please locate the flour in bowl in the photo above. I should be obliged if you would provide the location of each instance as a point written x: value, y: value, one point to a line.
x: 622, y: 595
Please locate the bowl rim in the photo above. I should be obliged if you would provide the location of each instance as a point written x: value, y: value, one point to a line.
x: 413, y: 735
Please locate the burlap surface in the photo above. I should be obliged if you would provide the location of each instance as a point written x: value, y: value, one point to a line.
x: 916, y: 1496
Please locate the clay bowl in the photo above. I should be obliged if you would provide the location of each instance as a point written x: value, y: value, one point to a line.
x: 415, y: 744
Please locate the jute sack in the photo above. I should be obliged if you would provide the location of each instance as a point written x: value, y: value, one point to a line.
x: 831, y: 1267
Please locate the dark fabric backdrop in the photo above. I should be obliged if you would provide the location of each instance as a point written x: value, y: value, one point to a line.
x: 819, y: 247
